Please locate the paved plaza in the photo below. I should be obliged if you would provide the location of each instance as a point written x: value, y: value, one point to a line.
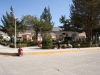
x: 68, y: 63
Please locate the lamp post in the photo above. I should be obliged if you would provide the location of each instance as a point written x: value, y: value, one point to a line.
x: 15, y: 29
x: 15, y: 32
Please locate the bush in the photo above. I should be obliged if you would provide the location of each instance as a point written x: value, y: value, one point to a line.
x: 31, y: 43
x: 18, y: 45
x: 26, y: 43
x: 46, y: 41
x: 82, y: 44
x: 12, y: 45
x: 3, y: 43
x: 21, y: 45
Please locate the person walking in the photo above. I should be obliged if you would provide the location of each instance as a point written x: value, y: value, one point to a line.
x: 58, y: 44
x: 78, y: 46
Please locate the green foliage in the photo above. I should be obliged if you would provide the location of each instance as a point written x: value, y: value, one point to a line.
x: 43, y: 24
x: 82, y: 44
x: 18, y: 45
x: 25, y: 43
x: 4, y: 43
x: 31, y: 43
x: 46, y: 18
x: 46, y: 41
x: 85, y: 15
x: 21, y: 45
x: 11, y: 45
x: 67, y: 26
x: 32, y: 23
x: 8, y: 21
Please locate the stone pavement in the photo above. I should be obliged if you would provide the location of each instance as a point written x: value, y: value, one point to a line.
x: 5, y: 50
x: 71, y: 63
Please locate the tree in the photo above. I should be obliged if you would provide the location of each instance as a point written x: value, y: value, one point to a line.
x: 67, y: 26
x: 8, y: 21
x: 85, y: 15
x: 32, y: 23
x: 47, y: 41
x: 45, y: 19
x: 44, y: 23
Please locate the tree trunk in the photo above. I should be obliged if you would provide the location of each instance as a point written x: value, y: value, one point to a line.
x: 89, y: 36
x: 37, y: 35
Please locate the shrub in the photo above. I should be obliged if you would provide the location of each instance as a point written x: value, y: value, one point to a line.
x: 21, y: 45
x: 46, y: 41
x: 12, y: 45
x: 18, y: 45
x: 31, y: 43
x: 3, y: 43
x: 82, y: 44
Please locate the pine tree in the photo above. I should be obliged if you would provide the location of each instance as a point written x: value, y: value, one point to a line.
x: 85, y: 15
x: 67, y: 26
x: 8, y: 21
x: 46, y: 18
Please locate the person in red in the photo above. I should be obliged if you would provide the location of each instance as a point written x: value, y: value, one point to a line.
x: 20, y: 52
x: 39, y: 43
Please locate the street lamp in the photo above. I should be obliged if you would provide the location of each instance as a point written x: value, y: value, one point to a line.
x: 15, y: 32
x: 15, y: 28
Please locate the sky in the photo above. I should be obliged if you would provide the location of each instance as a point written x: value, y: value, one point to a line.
x: 36, y: 7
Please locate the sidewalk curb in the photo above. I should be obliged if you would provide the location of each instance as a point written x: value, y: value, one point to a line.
x: 58, y: 51
x: 8, y: 54
x: 50, y: 51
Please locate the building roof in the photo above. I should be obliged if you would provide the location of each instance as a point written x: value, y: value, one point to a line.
x: 82, y: 34
x: 3, y: 33
x: 56, y: 29
x: 53, y: 34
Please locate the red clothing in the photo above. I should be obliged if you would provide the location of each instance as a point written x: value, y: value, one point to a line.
x: 20, y: 51
x: 39, y: 43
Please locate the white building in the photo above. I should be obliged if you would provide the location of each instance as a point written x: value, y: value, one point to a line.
x: 5, y: 36
x: 56, y: 31
x: 55, y: 34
